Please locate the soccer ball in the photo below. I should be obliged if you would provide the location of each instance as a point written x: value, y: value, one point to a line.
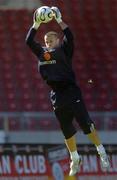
x: 44, y: 14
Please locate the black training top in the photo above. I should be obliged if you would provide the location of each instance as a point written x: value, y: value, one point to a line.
x: 55, y: 65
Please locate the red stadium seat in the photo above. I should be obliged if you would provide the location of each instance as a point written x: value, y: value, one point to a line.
x: 112, y: 124
x: 95, y: 56
x: 14, y: 124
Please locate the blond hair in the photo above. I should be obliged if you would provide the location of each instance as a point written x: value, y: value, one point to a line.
x: 51, y: 33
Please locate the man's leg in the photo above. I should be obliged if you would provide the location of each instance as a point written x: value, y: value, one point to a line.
x: 65, y: 117
x: 88, y: 128
x: 72, y: 147
x: 94, y: 138
x: 75, y: 158
x: 71, y: 144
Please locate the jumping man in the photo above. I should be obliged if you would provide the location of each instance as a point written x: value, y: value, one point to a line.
x: 55, y: 66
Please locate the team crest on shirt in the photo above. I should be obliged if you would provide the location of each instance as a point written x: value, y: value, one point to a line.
x: 47, y: 56
x: 47, y: 59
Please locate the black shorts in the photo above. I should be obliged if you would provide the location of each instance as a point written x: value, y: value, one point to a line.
x: 68, y: 104
x: 65, y: 96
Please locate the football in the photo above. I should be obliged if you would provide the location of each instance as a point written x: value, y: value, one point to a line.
x: 44, y: 14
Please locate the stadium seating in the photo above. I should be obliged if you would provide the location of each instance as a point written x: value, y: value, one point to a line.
x: 94, y: 26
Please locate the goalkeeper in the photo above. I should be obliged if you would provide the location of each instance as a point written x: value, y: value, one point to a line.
x: 55, y: 66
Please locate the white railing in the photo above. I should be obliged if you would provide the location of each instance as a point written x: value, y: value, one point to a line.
x: 24, y: 120
x: 50, y: 133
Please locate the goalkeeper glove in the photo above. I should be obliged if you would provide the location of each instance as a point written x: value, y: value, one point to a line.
x: 36, y: 23
x: 57, y: 14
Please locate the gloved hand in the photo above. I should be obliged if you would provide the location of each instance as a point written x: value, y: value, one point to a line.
x: 57, y: 14
x: 36, y: 22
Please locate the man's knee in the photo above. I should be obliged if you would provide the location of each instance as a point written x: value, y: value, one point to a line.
x: 88, y: 127
x: 68, y: 132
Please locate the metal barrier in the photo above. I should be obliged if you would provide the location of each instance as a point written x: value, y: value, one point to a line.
x: 20, y: 121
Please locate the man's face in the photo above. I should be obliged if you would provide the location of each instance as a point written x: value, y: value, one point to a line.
x: 51, y: 40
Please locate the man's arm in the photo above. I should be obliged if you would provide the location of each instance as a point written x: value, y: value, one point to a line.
x: 35, y: 47
x: 67, y: 44
x: 63, y: 25
x: 68, y: 36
